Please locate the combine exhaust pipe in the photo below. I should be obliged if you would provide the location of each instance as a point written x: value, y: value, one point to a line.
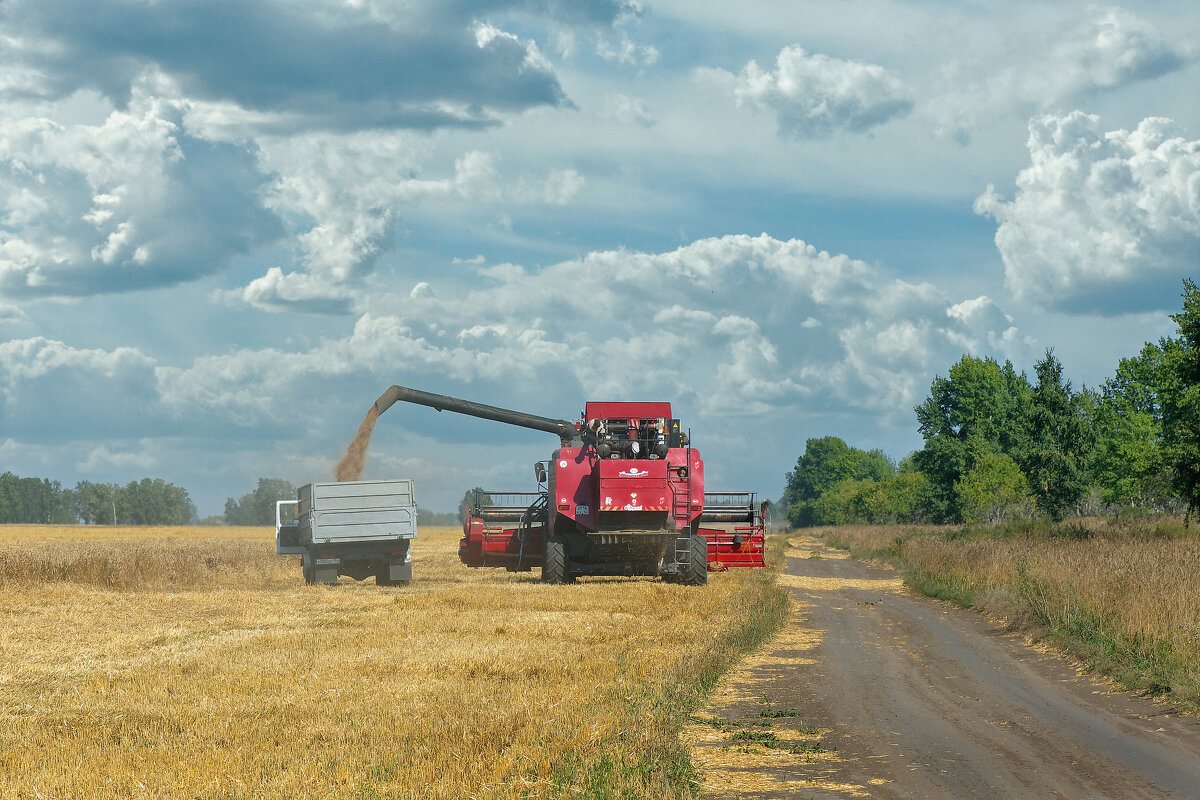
x: 566, y: 431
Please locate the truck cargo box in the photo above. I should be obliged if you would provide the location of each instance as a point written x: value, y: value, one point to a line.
x: 356, y: 511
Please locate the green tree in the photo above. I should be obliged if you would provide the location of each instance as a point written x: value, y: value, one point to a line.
x: 827, y: 461
x: 35, y: 501
x: 979, y: 407
x: 258, y: 507
x: 427, y: 517
x: 154, y: 502
x: 1129, y: 461
x: 893, y: 500
x: 468, y: 502
x: 1181, y: 412
x: 838, y: 505
x: 906, y: 495
x: 95, y: 503
x: 994, y: 489
x: 1060, y: 441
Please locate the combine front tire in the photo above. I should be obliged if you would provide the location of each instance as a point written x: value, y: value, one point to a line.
x: 556, y: 566
x: 695, y: 569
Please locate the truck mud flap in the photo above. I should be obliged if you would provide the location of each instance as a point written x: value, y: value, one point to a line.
x: 320, y: 569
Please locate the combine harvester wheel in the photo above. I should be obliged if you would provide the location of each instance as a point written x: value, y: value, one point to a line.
x: 556, y: 566
x: 695, y: 571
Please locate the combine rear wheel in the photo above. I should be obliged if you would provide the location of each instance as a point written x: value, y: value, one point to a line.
x: 556, y: 566
x: 695, y: 569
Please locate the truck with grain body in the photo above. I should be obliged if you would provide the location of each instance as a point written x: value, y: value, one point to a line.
x: 354, y: 528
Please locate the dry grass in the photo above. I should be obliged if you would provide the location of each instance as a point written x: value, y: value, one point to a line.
x: 1127, y: 600
x: 235, y: 680
x: 31, y: 534
x: 129, y: 559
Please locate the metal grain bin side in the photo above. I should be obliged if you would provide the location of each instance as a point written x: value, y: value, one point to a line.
x: 357, y: 511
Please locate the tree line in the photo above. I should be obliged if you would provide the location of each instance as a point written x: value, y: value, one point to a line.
x: 150, y: 501
x: 998, y: 445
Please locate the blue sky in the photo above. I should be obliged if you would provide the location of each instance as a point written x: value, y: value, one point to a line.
x: 226, y: 227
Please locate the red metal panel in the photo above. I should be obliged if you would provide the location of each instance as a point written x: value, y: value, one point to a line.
x: 634, y: 485
x: 575, y: 485
x: 623, y: 469
x: 697, y: 483
x: 679, y: 457
x: 627, y: 410
x: 741, y: 547
x: 484, y: 546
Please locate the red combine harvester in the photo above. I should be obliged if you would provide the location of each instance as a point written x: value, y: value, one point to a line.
x: 622, y: 495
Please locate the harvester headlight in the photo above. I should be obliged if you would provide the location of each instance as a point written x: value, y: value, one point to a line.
x: 661, y: 449
x: 635, y: 448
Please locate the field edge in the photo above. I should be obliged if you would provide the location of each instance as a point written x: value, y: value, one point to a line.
x: 662, y: 708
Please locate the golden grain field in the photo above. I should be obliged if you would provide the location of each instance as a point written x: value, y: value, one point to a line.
x: 194, y: 663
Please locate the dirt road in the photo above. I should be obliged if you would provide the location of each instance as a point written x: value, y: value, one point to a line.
x: 876, y: 692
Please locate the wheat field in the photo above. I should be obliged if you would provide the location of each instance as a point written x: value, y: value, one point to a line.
x: 194, y: 663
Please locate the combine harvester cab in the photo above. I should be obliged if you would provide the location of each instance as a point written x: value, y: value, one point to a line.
x: 623, y: 495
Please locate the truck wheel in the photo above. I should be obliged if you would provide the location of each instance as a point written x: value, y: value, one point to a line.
x: 556, y: 566
x: 695, y: 571
x: 306, y: 564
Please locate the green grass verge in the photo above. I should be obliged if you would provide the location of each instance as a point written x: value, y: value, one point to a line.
x: 649, y: 759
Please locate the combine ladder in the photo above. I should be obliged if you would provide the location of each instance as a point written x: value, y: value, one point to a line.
x: 681, y: 507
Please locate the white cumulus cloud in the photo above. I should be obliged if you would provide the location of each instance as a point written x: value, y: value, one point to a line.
x: 344, y: 196
x: 740, y: 332
x: 815, y: 95
x: 1101, y: 221
x: 798, y: 330
x: 1112, y: 49
x: 132, y: 203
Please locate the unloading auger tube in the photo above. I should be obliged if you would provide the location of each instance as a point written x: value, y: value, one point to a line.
x: 566, y: 431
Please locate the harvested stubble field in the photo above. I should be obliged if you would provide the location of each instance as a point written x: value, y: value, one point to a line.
x: 193, y: 662
x: 1124, y: 597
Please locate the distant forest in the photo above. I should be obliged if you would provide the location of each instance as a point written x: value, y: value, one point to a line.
x: 999, y: 446
x: 150, y: 501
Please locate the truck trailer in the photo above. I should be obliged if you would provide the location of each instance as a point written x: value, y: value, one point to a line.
x: 352, y: 528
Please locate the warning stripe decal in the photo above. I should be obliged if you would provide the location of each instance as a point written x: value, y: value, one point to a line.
x: 641, y: 508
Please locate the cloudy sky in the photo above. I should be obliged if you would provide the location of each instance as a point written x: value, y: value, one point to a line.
x: 227, y: 226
